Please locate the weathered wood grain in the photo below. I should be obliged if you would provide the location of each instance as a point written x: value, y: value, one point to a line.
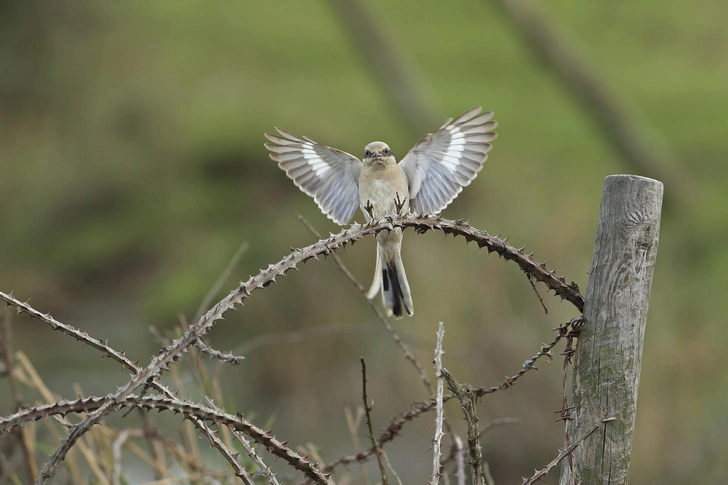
x: 609, y: 351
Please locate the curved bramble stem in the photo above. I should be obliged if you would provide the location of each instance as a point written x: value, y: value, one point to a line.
x: 172, y: 352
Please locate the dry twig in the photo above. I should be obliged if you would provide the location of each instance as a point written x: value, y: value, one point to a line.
x: 538, y: 295
x: 156, y: 448
x: 119, y: 442
x: 459, y: 460
x: 7, y: 355
x: 353, y: 423
x: 222, y: 279
x: 375, y: 445
x: 437, y: 439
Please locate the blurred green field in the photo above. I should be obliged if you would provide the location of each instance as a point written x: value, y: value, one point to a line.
x: 132, y: 167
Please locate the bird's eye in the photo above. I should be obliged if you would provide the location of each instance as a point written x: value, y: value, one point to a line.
x: 387, y: 152
x: 367, y: 153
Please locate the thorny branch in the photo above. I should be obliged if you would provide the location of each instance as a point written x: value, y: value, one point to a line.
x: 7, y: 355
x: 380, y: 315
x: 121, y: 358
x: 231, y: 458
x: 216, y: 354
x: 170, y: 354
x: 265, y: 470
x: 83, y: 337
x: 467, y: 398
x: 439, y: 415
x: 187, y: 409
x: 106, y: 351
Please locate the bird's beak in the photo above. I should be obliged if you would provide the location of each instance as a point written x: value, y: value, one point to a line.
x: 377, y: 156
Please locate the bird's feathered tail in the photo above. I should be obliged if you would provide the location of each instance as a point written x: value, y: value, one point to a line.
x: 389, y: 276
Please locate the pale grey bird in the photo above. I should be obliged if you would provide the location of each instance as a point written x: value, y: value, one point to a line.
x: 427, y: 179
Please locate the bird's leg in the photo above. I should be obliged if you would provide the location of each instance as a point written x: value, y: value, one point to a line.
x: 370, y: 209
x: 399, y: 203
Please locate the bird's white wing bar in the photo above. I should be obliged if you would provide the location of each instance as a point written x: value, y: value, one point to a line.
x: 328, y: 175
x: 441, y: 164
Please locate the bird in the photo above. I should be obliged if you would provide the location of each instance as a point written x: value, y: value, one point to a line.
x: 425, y: 181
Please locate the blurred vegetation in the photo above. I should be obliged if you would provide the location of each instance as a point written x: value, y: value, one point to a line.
x: 132, y: 166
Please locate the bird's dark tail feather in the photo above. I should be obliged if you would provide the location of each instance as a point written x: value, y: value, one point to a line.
x: 393, y: 280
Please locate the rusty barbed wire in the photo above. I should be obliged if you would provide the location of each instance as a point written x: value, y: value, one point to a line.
x: 540, y: 474
x: 396, y: 424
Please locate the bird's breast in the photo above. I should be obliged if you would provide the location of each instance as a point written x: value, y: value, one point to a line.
x: 380, y: 188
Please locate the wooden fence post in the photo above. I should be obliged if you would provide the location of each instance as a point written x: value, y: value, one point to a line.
x: 609, y: 349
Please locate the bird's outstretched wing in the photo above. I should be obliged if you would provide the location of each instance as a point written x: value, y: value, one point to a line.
x: 441, y: 164
x: 328, y: 175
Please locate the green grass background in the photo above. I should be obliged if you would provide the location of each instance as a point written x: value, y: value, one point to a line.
x: 132, y: 166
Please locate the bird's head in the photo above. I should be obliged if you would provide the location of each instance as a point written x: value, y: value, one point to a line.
x: 378, y: 152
